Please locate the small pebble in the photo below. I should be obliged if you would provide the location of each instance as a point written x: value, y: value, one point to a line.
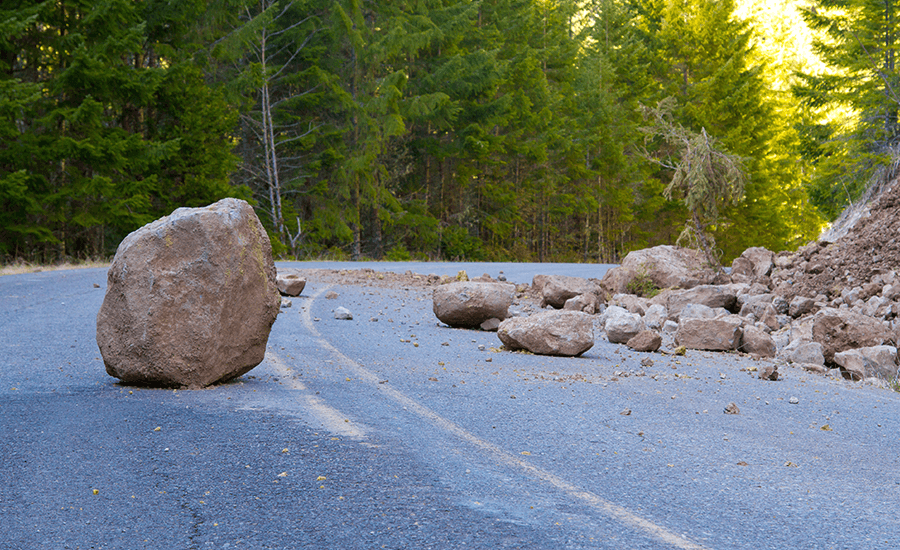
x: 793, y: 401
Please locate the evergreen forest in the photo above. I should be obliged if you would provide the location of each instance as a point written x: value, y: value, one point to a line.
x: 495, y: 130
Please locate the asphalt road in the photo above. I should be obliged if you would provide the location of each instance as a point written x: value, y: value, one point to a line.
x: 393, y: 431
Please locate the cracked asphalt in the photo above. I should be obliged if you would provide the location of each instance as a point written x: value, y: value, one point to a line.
x: 393, y: 431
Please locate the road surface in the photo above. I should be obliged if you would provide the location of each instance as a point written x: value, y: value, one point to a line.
x: 394, y: 431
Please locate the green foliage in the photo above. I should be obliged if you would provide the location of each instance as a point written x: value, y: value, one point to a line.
x: 441, y: 129
x: 850, y: 111
x: 705, y: 177
x: 642, y: 285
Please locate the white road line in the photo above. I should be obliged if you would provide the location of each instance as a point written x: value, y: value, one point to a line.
x: 325, y: 415
x: 611, y: 509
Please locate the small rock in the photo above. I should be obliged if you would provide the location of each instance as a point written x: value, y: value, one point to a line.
x: 647, y: 362
x: 491, y: 325
x: 732, y: 408
x: 625, y: 412
x: 331, y: 295
x: 480, y: 347
x: 793, y: 400
x: 96, y: 285
x: 286, y: 304
x: 769, y: 372
x: 343, y: 314
x: 290, y: 284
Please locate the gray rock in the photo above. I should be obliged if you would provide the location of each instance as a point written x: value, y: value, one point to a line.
x: 757, y: 342
x: 869, y: 362
x: 588, y: 303
x: 343, y: 314
x: 839, y: 330
x: 666, y: 266
x: 646, y: 340
x: 800, y: 306
x: 720, y: 334
x: 621, y: 326
x: 467, y: 304
x: 763, y: 312
x: 556, y: 289
x: 655, y: 316
x: 807, y: 353
x: 707, y: 295
x: 552, y: 332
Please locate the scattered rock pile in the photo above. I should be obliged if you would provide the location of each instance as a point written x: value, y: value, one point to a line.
x: 791, y: 306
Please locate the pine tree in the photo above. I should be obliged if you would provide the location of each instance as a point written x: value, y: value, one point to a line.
x: 858, y: 42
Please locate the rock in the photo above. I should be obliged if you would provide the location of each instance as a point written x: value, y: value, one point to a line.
x: 769, y: 372
x: 781, y: 305
x: 621, y: 325
x: 286, y: 303
x: 538, y: 282
x: 645, y: 340
x: 566, y: 333
x: 343, y: 314
x: 800, y: 306
x: 698, y: 311
x: 468, y: 304
x: 754, y: 263
x: 757, y: 342
x: 793, y: 400
x: 838, y: 330
x: 808, y: 353
x: 331, y: 295
x: 763, y: 312
x: 588, y: 303
x: 869, y: 362
x: 732, y: 408
x: 665, y: 266
x: 491, y: 325
x: 655, y: 316
x: 707, y: 295
x: 634, y: 304
x: 290, y: 284
x: 720, y: 334
x: 556, y: 289
x: 815, y: 369
x: 670, y: 327
x: 190, y: 298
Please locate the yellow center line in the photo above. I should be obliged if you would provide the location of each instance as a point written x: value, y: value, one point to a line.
x: 615, y: 511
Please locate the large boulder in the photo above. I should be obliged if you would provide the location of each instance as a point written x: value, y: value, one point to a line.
x: 839, y: 330
x: 869, y: 362
x: 665, y: 266
x: 190, y: 298
x: 467, y: 304
x: 566, y: 333
x: 556, y: 289
x: 719, y: 334
x: 713, y: 296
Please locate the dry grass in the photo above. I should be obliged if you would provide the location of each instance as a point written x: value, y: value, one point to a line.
x: 20, y: 267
